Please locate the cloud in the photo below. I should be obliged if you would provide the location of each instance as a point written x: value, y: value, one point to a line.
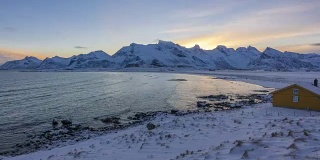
x: 9, y: 29
x: 156, y: 40
x: 80, y: 47
x: 261, y: 29
x: 293, y: 9
x: 315, y: 44
x: 190, y: 29
x: 176, y: 30
x: 303, y: 48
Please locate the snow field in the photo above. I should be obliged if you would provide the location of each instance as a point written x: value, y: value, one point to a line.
x: 259, y: 131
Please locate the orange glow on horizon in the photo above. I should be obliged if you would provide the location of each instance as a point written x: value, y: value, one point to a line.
x: 19, y: 54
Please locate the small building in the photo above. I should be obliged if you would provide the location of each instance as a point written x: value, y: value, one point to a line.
x: 298, y: 97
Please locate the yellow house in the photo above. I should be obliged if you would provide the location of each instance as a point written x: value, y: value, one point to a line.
x: 298, y: 97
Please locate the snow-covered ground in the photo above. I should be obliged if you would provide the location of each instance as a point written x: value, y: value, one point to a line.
x: 253, y: 132
x: 260, y: 131
x: 264, y: 78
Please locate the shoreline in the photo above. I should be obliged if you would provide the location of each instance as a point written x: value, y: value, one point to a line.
x: 222, y: 75
x: 66, y: 133
x: 252, y: 132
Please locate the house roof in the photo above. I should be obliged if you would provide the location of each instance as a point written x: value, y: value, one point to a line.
x: 310, y: 87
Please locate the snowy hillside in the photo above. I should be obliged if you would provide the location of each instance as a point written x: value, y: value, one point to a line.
x: 96, y: 59
x: 272, y: 59
x: 55, y: 63
x: 26, y: 63
x: 170, y: 55
x: 163, y: 54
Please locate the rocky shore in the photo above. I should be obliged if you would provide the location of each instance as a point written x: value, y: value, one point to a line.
x: 65, y: 132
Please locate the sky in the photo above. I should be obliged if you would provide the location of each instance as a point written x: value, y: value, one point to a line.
x: 44, y: 28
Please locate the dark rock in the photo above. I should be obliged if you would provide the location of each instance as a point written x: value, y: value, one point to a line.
x: 215, y: 97
x: 251, y: 101
x: 177, y: 80
x: 236, y: 106
x: 66, y: 122
x: 140, y: 116
x: 151, y: 126
x: 222, y: 104
x: 74, y: 128
x: 54, y: 122
x: 173, y: 111
x: 114, y: 120
x: 208, y: 105
x: 201, y: 103
x: 261, y: 91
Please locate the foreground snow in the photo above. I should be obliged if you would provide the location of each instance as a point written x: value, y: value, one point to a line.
x: 259, y: 131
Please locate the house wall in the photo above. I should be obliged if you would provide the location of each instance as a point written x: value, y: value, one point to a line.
x: 284, y: 98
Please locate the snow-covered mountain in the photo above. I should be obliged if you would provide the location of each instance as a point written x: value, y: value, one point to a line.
x: 55, y: 63
x: 272, y: 59
x: 170, y: 55
x: 163, y: 54
x: 96, y: 59
x: 26, y: 63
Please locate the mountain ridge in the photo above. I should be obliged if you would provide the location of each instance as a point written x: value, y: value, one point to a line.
x: 170, y: 55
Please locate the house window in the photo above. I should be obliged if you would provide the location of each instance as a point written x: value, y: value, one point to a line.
x: 295, y: 91
x: 295, y: 99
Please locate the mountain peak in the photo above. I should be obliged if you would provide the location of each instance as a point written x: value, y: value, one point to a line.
x: 31, y: 58
x: 250, y: 48
x: 133, y: 44
x: 196, y: 47
x: 221, y: 47
x: 98, y: 52
x: 270, y: 50
x: 167, y: 43
x: 28, y: 57
x: 224, y: 49
x: 241, y: 49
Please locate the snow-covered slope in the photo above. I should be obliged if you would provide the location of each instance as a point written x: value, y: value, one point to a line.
x: 96, y: 59
x: 163, y: 54
x: 171, y: 55
x: 272, y: 59
x: 26, y: 63
x: 55, y: 63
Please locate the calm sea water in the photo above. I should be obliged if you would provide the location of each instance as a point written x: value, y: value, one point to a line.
x: 30, y: 100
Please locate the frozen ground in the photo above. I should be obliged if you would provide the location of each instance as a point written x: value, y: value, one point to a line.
x: 253, y: 132
x: 259, y: 131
